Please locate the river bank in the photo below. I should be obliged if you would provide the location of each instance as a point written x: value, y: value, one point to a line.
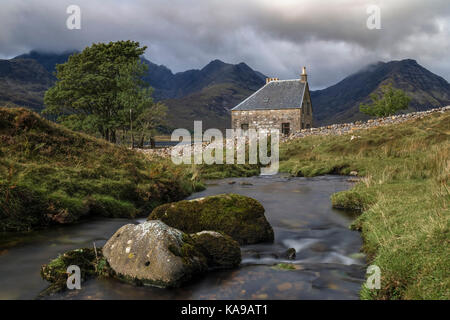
x: 328, y: 262
x: 403, y: 198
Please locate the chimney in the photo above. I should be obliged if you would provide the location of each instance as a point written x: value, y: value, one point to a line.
x: 271, y: 79
x: 304, y: 76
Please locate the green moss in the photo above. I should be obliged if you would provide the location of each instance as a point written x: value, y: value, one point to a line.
x: 220, y: 252
x: 91, y: 264
x: 107, y: 206
x: 284, y: 266
x: 353, y: 200
x: 238, y: 216
x: 220, y: 171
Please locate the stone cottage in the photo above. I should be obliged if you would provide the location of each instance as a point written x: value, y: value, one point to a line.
x: 279, y: 104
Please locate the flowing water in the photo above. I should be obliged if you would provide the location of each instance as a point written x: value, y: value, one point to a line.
x: 328, y: 264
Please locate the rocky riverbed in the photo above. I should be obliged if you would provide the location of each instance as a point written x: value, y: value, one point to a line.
x: 327, y: 263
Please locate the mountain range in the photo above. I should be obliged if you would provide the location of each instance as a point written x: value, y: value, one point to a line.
x: 208, y: 94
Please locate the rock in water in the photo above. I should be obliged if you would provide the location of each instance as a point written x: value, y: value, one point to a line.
x: 221, y: 251
x: 152, y: 253
x: 240, y: 217
x: 90, y: 261
x: 290, y: 254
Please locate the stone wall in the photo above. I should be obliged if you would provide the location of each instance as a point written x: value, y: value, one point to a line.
x: 335, y: 129
x: 267, y: 119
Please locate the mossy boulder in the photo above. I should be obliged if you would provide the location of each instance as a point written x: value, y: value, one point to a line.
x: 153, y: 254
x: 240, y: 217
x: 90, y: 261
x: 150, y: 253
x: 221, y: 251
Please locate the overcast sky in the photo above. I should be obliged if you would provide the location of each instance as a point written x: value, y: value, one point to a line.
x: 276, y: 37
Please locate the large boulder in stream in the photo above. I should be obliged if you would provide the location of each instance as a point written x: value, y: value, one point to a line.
x: 155, y: 254
x: 240, y: 217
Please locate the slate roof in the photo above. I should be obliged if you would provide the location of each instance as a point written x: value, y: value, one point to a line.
x: 278, y: 94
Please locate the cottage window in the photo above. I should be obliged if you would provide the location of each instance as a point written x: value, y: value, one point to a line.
x: 285, y: 128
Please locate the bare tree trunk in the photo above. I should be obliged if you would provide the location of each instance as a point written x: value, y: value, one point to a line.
x: 131, y: 131
x: 141, y: 142
x: 152, y: 142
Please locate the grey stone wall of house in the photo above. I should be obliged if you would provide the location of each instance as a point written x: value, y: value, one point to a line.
x: 271, y: 119
x: 280, y: 104
x: 307, y: 118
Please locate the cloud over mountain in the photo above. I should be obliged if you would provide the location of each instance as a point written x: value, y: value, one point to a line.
x: 275, y: 37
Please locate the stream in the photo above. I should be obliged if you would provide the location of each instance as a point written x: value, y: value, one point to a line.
x: 328, y: 263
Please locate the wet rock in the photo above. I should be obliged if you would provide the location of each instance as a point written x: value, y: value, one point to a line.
x: 153, y: 253
x: 240, y: 217
x: 220, y: 250
x: 232, y: 182
x: 90, y: 261
x: 245, y: 183
x: 289, y: 254
x: 353, y: 173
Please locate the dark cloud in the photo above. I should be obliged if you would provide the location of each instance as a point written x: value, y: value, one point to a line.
x: 274, y: 37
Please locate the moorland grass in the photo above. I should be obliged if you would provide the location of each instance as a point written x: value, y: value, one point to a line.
x: 50, y: 175
x: 403, y: 198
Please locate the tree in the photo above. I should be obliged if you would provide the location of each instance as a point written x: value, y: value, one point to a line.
x: 96, y: 89
x: 389, y: 102
x: 148, y: 121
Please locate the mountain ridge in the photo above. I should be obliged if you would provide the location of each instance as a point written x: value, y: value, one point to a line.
x: 340, y: 102
x: 210, y: 92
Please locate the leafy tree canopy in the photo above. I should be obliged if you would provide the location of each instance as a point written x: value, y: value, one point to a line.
x: 389, y: 102
x: 100, y: 89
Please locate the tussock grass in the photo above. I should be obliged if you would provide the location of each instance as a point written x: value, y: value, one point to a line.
x: 49, y: 174
x: 403, y: 198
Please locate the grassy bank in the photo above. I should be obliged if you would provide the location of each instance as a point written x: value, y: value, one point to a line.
x: 52, y: 175
x: 403, y: 198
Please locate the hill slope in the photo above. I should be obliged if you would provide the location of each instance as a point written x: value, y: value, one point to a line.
x: 52, y: 175
x: 207, y: 94
x: 23, y: 82
x: 212, y: 105
x: 340, y: 102
x: 168, y: 85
